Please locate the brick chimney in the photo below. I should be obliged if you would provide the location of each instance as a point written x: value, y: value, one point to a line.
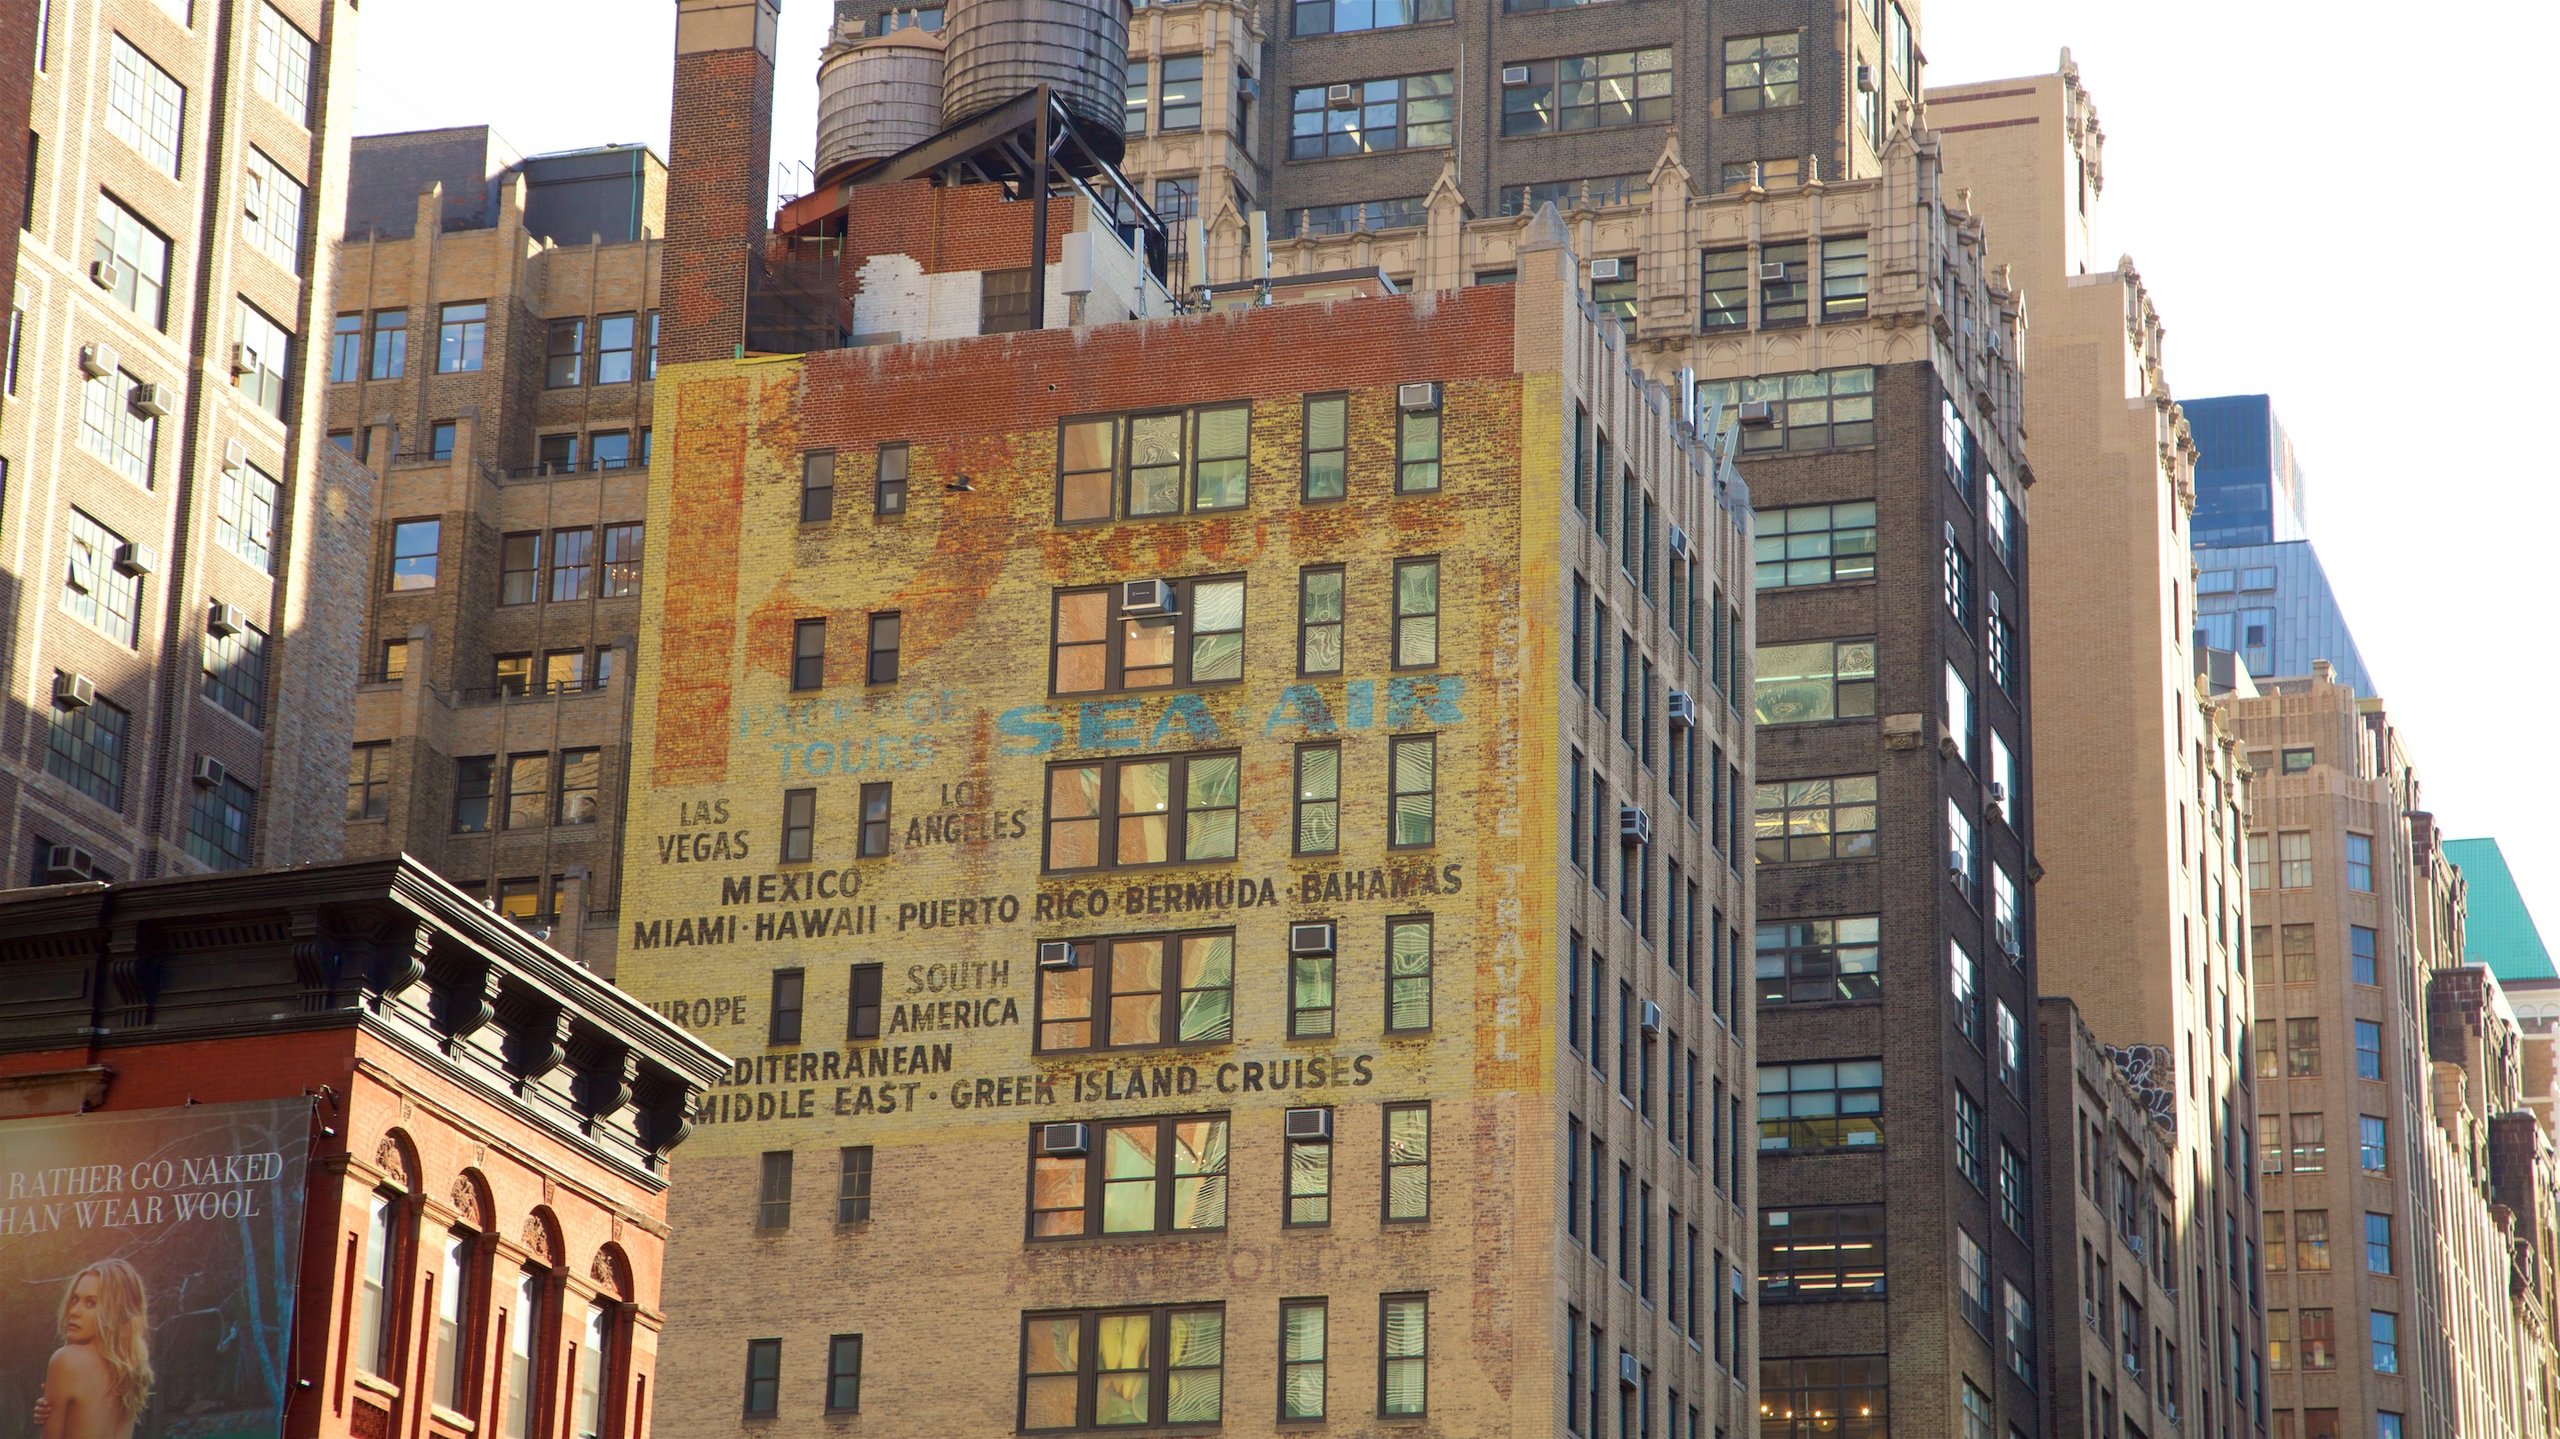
x: 719, y: 151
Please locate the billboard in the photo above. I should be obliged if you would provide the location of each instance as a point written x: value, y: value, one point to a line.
x: 147, y: 1267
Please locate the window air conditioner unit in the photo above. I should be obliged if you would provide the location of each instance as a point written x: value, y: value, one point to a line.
x: 1418, y: 396
x: 152, y: 400
x: 1773, y: 270
x: 1628, y: 1374
x: 105, y: 274
x: 1515, y: 74
x: 1337, y: 95
x: 1684, y: 709
x: 210, y: 772
x: 1148, y: 597
x: 1999, y: 792
x: 1679, y: 542
x: 97, y: 361
x: 1248, y: 87
x: 2006, y: 932
x: 1314, y: 937
x: 243, y: 360
x: 69, y: 864
x: 74, y: 692
x: 1756, y: 412
x: 1057, y: 954
x: 1606, y: 269
x: 1652, y: 1019
x: 1634, y: 825
x: 1958, y: 870
x: 133, y: 557
x: 1866, y: 79
x: 1062, y: 1141
x: 1310, y: 1124
x: 234, y: 456
x: 223, y: 619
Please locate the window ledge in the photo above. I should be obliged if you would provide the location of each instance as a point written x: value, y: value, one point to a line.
x: 380, y: 1387
x: 1377, y: 155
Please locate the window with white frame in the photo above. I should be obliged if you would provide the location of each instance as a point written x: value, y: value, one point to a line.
x: 280, y: 64
x: 271, y: 204
x: 146, y: 106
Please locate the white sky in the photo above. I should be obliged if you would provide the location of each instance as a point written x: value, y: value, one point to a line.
x: 2322, y: 215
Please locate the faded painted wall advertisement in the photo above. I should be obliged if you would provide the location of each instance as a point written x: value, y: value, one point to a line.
x: 148, y: 1262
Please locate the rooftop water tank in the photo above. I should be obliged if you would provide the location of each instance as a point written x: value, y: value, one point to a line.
x: 878, y: 96
x: 1000, y: 48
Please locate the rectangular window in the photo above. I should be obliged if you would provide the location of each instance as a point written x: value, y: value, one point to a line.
x: 1145, y: 1176
x: 219, y: 822
x: 1417, y: 450
x: 146, y: 106
x: 94, y: 588
x: 520, y: 568
x: 379, y: 1285
x: 1134, y: 98
x: 2377, y: 1243
x: 1762, y: 72
x: 889, y: 482
x: 622, y: 545
x: 2302, y: 1047
x: 1968, y: 1138
x: 1821, y: 1105
x: 2385, y: 1329
x: 2372, y: 1144
x: 2293, y: 859
x: 764, y: 1373
x: 1406, y: 1192
x: 1302, y: 1341
x: 1844, y: 277
x: 369, y: 780
x: 1817, y: 960
x: 1411, y: 765
x: 1816, y: 410
x: 1417, y: 634
x: 1320, y: 620
x: 2368, y: 1049
x: 1323, y: 472
x: 2014, y: 1191
x: 346, y: 355
x: 799, y: 825
x: 235, y: 672
x: 2310, y: 1144
x: 573, y: 564
x: 1342, y: 17
x: 271, y: 211
x: 1587, y: 92
x: 265, y: 354
x: 876, y: 833
x: 1814, y: 545
x: 564, y: 354
x: 2360, y: 863
x: 130, y: 261
x: 1178, y: 93
x: 1956, y: 581
x: 1786, y: 291
x: 280, y: 64
x: 244, y: 515
x: 1813, y: 819
x: 862, y: 1003
x: 85, y: 749
x: 390, y: 345
x: 817, y: 486
x: 1156, y: 810
x: 844, y: 1373
x: 1318, y: 798
x: 1965, y: 984
x: 1827, y: 1253
x: 2316, y: 1334
x: 1404, y: 1327
x: 451, y: 1383
x: 1110, y: 1368
x: 461, y: 337
x: 1310, y: 1166
x: 1826, y: 680
x: 1139, y: 992
x: 1409, y: 956
x: 114, y: 431
x: 528, y: 791
x: 614, y: 343
x: 2361, y: 953
x: 881, y: 667
x: 1805, y: 1398
x: 2300, y: 954
x: 1725, y: 277
x: 1098, y: 644
x: 1370, y: 116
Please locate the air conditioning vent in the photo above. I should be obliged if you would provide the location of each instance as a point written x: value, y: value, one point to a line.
x: 245, y: 360
x: 1057, y: 954
x: 1419, y: 396
x: 210, y: 772
x: 1148, y: 597
x: 1866, y: 79
x: 105, y: 274
x: 234, y: 456
x: 1683, y: 709
x: 1063, y: 1141
x: 1652, y: 1019
x: 1310, y: 1124
x: 1773, y: 270
x: 223, y: 619
x: 152, y: 400
x: 74, y: 692
x: 1314, y: 937
x: 1337, y: 95
x: 1628, y: 1372
x: 133, y: 557
x: 1755, y: 412
x: 1634, y: 825
x: 1606, y: 269
x: 1515, y: 74
x: 69, y: 864
x: 98, y: 361
x: 1679, y: 542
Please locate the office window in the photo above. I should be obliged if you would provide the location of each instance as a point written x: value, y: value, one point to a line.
x: 1340, y: 17
x: 614, y: 342
x: 2360, y: 863
x: 390, y: 345
x: 1968, y: 1138
x: 1821, y: 1105
x: 2300, y: 954
x: 1310, y: 1168
x: 1973, y: 1279
x: 1817, y: 410
x: 1178, y: 92
x: 1615, y: 295
x: 1999, y: 644
x: 1404, y: 1327
x: 266, y: 352
x: 1319, y: 799
x: 473, y: 786
x: 889, y: 482
x: 1110, y: 1369
x: 1844, y: 276
x: 1825, y: 680
x: 1411, y: 766
x: 2372, y: 1133
x: 1323, y: 469
x: 461, y: 334
x: 2012, y: 1055
x: 94, y: 588
x: 1417, y: 450
x: 528, y: 790
x: 244, y: 514
x: 2368, y: 1049
x: 1956, y: 583
x: 1815, y: 818
x: 1156, y: 810
x: 876, y: 835
x: 799, y: 825
x: 1134, y: 98
x: 2310, y: 1146
x: 1826, y: 1253
x: 622, y: 546
x: 2021, y: 1331
x: 844, y: 1373
x: 219, y: 821
x: 764, y: 1373
x: 1814, y: 545
x: 882, y: 665
x: 1139, y: 992
x: 2316, y: 1339
x: 280, y: 64
x: 808, y: 654
x: 1370, y: 117
x: 520, y: 568
x: 378, y: 1285
x: 1725, y: 284
x: 573, y: 564
x: 2377, y: 1243
x: 564, y: 354
x: 130, y: 261
x: 1302, y: 1340
x: 1965, y: 984
x: 1097, y: 644
x: 1762, y: 72
x: 2361, y: 953
x: 1319, y: 620
x: 1406, y: 1194
x: 1786, y: 292
x: 581, y: 779
x: 146, y: 106
x: 1145, y: 1176
x: 1826, y: 1398
x: 2301, y: 1047
x: 2296, y: 759
x: 817, y: 486
x: 85, y: 749
x: 2385, y: 1330
x: 1586, y: 92
x: 1152, y: 474
x: 369, y: 780
x: 346, y: 357
x: 557, y: 454
x: 271, y: 212
x: 1409, y: 974
x: 1417, y: 594
x: 2293, y: 859
x: 235, y: 672
x: 2014, y: 1191
x: 114, y: 431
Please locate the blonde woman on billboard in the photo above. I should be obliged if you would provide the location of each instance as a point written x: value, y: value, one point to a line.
x: 98, y: 1381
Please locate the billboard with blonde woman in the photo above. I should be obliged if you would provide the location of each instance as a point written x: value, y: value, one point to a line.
x: 147, y: 1267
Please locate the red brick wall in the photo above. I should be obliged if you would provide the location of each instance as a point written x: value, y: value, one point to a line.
x: 719, y: 148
